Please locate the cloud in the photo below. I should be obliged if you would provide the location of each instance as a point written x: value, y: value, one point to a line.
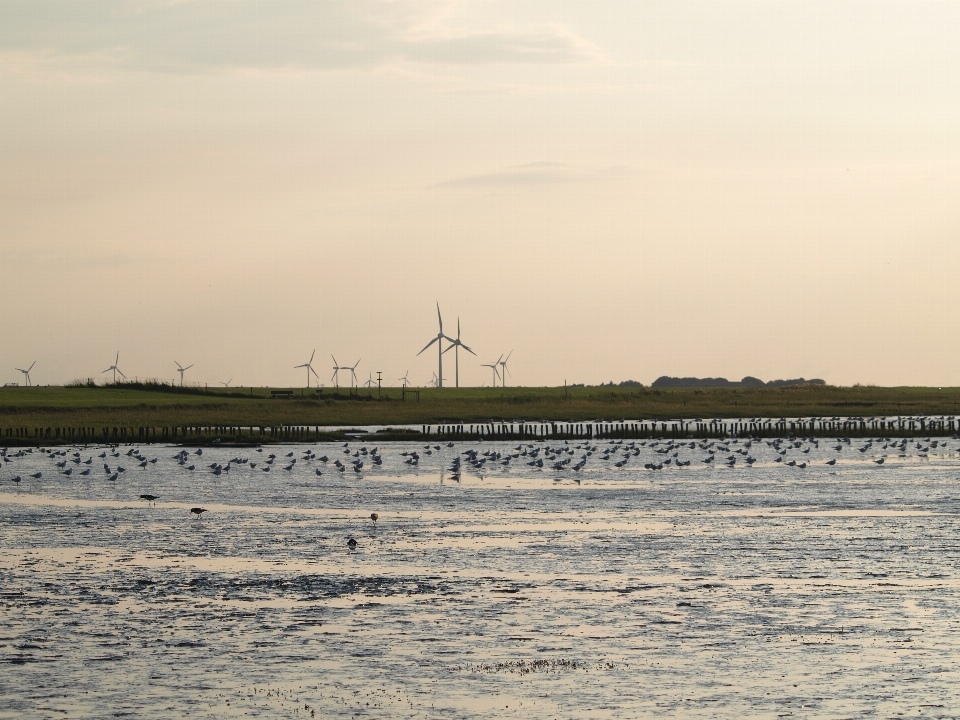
x: 191, y: 37
x: 532, y: 174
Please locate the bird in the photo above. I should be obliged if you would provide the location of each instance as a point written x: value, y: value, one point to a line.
x: 374, y: 517
x: 37, y: 476
x: 198, y: 511
x: 113, y: 477
x: 832, y: 461
x: 17, y: 480
x: 880, y: 461
x: 149, y: 498
x: 351, y: 543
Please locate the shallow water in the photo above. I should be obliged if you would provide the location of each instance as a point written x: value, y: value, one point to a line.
x: 830, y: 591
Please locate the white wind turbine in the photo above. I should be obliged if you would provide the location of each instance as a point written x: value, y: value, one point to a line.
x: 493, y: 366
x: 405, y: 380
x: 456, y: 352
x: 336, y: 372
x: 26, y: 373
x: 181, y: 370
x: 309, y: 367
x: 439, y: 340
x: 503, y: 366
x: 353, y: 373
x: 369, y: 382
x: 115, y: 369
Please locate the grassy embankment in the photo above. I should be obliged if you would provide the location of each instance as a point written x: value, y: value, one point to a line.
x: 129, y: 406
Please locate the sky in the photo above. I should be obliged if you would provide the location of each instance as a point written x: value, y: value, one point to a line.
x: 610, y: 190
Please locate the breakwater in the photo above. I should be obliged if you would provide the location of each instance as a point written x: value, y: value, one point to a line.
x: 701, y: 429
x: 697, y: 428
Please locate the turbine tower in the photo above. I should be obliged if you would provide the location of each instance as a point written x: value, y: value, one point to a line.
x: 181, y: 369
x: 115, y: 369
x: 309, y: 367
x: 503, y: 366
x: 26, y: 372
x: 456, y: 352
x: 493, y: 366
x: 439, y: 340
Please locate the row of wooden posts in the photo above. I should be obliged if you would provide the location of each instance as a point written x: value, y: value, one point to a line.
x: 856, y: 427
x: 167, y: 434
x: 700, y: 429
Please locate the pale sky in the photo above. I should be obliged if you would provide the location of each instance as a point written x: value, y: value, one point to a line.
x: 612, y: 190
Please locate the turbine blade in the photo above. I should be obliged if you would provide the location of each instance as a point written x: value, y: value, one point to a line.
x: 449, y: 348
x: 299, y: 366
x: 335, y: 363
x: 467, y: 349
x: 188, y: 367
x: 439, y: 318
x: 458, y: 329
x: 107, y: 370
x: 117, y: 361
x: 31, y: 366
x: 314, y: 372
x: 429, y: 344
x: 121, y: 373
x: 311, y: 356
x: 508, y: 356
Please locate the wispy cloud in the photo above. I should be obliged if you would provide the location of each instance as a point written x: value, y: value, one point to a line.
x: 190, y: 37
x: 532, y: 174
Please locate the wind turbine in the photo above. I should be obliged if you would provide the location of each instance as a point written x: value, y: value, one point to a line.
x: 433, y: 380
x: 309, y: 368
x: 456, y: 351
x: 227, y: 383
x: 493, y: 366
x: 405, y: 380
x: 503, y: 366
x: 353, y: 372
x: 115, y: 369
x: 369, y: 382
x: 27, y: 372
x: 336, y: 372
x: 439, y: 340
x: 180, y: 369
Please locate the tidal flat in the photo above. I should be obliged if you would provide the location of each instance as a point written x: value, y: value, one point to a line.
x: 496, y: 589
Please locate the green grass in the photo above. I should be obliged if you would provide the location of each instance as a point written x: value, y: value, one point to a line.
x: 130, y: 405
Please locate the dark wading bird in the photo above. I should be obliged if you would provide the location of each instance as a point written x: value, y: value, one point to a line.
x: 374, y: 517
x: 198, y: 511
x: 351, y: 543
x: 149, y: 498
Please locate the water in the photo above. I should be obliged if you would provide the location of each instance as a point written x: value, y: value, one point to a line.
x: 758, y: 591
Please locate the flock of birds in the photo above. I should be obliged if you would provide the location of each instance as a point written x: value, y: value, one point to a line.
x: 558, y: 458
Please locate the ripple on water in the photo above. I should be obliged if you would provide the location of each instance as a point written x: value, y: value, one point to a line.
x: 730, y: 591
